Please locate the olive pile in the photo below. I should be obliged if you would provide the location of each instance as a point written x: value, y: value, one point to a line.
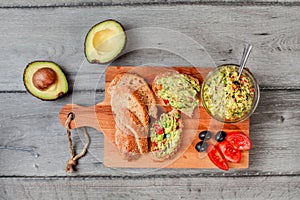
x: 206, y: 135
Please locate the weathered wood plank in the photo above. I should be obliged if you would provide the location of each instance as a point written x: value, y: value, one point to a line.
x: 33, y: 143
x: 65, y: 3
x: 58, y: 34
x: 283, y: 187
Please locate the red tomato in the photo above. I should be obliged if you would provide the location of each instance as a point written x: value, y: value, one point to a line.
x: 239, y: 140
x: 217, y: 157
x: 158, y: 129
x: 154, y: 144
x: 166, y: 101
x: 230, y: 153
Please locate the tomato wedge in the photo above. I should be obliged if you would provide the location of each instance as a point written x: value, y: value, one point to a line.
x: 166, y: 101
x: 239, y: 140
x: 230, y: 153
x: 217, y: 157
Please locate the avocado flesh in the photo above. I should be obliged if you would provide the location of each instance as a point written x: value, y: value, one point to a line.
x: 104, y: 42
x: 53, y: 89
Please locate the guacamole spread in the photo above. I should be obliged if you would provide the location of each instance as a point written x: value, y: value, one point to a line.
x: 165, y: 134
x: 179, y: 91
x: 226, y: 96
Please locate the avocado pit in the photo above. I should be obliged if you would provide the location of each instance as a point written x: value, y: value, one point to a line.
x: 44, y: 78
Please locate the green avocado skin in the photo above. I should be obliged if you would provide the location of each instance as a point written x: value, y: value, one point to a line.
x: 62, y: 83
x: 87, y: 46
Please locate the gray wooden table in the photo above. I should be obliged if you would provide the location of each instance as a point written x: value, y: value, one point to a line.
x: 33, y: 144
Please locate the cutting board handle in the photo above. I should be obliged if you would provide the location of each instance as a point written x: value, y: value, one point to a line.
x: 83, y: 116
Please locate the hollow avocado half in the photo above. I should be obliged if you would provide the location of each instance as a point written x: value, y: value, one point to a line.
x: 45, y: 80
x: 104, y: 41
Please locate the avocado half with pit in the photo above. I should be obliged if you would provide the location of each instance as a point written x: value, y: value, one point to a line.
x: 104, y: 42
x: 45, y: 80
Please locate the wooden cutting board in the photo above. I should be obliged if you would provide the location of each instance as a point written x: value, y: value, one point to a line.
x: 101, y: 118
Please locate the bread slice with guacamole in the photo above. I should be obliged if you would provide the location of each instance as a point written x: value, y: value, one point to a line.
x: 180, y: 91
x: 165, y: 136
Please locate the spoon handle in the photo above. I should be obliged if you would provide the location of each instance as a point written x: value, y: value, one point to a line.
x: 244, y: 59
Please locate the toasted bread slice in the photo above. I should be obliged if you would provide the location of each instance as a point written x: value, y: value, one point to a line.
x: 124, y: 97
x: 129, y: 124
x: 139, y: 85
x: 127, y: 145
x: 179, y: 93
x: 166, y: 136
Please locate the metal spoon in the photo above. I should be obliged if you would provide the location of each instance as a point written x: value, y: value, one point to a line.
x: 244, y: 59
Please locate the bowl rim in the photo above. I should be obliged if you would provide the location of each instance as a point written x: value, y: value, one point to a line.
x: 256, y: 98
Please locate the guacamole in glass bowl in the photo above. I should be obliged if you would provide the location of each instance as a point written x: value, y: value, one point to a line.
x: 228, y: 98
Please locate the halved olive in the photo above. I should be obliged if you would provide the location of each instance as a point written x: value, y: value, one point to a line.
x: 220, y: 136
x: 201, y: 146
x: 205, y: 135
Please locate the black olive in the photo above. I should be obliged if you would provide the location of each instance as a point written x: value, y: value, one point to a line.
x: 205, y: 135
x: 220, y: 136
x: 236, y: 82
x: 201, y: 146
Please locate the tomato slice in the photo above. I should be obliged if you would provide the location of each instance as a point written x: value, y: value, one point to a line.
x: 239, y: 140
x: 166, y: 101
x: 230, y: 153
x: 217, y: 157
x: 158, y: 129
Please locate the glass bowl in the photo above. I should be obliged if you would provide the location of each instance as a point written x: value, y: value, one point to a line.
x: 228, y: 99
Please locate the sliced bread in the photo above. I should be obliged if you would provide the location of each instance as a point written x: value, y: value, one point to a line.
x: 124, y: 97
x: 139, y: 85
x: 129, y: 124
x: 127, y: 145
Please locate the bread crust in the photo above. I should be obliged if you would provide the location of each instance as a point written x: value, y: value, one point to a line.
x: 124, y: 97
x: 114, y: 82
x: 140, y: 86
x: 128, y: 123
x: 126, y: 145
x: 132, y: 102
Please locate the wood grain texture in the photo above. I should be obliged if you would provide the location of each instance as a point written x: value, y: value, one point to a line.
x: 58, y: 34
x: 68, y: 3
x: 33, y: 142
x: 283, y: 187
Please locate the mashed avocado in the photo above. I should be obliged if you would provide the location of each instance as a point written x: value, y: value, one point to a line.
x: 226, y: 96
x: 165, y: 134
x: 179, y: 91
